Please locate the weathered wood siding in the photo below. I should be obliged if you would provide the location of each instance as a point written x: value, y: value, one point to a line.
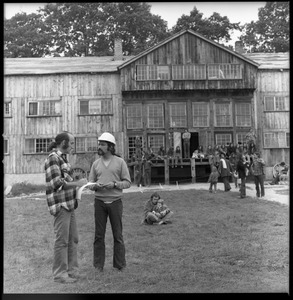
x: 69, y: 88
x: 187, y: 49
x: 272, y: 82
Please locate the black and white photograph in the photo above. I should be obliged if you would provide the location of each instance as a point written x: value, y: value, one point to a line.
x: 146, y: 148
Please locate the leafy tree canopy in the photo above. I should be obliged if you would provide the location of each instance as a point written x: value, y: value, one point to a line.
x: 77, y: 29
x: 215, y: 27
x: 271, y: 32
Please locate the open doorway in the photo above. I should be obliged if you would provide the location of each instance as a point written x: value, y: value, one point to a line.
x: 193, y: 142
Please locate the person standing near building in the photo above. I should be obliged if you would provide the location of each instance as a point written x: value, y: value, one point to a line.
x: 147, y: 170
x: 225, y: 172
x: 257, y: 168
x: 61, y: 200
x: 111, y: 175
x: 241, y: 167
x: 186, y: 143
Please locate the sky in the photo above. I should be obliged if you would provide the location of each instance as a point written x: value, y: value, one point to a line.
x: 238, y: 11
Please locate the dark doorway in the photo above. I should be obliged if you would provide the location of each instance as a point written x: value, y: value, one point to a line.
x: 193, y: 142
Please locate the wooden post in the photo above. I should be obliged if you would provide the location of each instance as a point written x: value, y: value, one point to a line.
x: 166, y: 160
x: 193, y: 171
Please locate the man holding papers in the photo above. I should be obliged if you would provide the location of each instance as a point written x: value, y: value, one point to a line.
x: 111, y: 175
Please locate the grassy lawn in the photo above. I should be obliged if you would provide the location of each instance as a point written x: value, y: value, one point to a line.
x: 216, y: 243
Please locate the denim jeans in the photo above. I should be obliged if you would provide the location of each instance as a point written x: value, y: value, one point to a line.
x: 259, y: 185
x: 65, y: 247
x: 114, y: 211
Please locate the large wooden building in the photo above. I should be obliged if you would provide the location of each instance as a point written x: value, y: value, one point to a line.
x: 185, y: 82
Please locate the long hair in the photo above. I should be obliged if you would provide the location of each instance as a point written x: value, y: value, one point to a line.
x: 111, y: 148
x: 58, y: 140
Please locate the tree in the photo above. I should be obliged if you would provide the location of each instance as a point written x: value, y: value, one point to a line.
x: 24, y: 36
x: 86, y: 29
x: 271, y: 32
x: 215, y: 27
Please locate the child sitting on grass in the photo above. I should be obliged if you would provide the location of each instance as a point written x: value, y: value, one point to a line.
x: 213, y: 179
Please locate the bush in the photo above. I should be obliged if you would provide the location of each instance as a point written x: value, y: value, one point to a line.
x: 26, y: 188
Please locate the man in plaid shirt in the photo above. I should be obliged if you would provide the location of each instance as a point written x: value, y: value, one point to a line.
x: 257, y: 167
x: 61, y: 193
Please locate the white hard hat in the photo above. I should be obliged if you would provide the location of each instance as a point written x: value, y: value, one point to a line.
x: 107, y: 137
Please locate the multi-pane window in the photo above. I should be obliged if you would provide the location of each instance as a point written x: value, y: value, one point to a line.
x: 5, y: 150
x: 223, y: 114
x: 224, y: 71
x: 156, y: 141
x: 155, y: 116
x: 45, y: 108
x: 131, y: 145
x: 7, y: 109
x: 188, y: 72
x: 276, y: 103
x: 86, y: 144
x: 223, y: 138
x: 241, y: 137
x: 152, y: 72
x: 177, y: 114
x: 37, y: 145
x: 243, y: 114
x: 200, y: 114
x: 95, y: 106
x: 134, y: 116
x: 276, y: 140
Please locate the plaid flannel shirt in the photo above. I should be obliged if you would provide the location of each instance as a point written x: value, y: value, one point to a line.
x: 57, y: 171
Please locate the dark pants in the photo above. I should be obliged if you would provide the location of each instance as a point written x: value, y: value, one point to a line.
x: 114, y: 211
x: 243, y: 188
x: 259, y: 185
x: 227, y: 186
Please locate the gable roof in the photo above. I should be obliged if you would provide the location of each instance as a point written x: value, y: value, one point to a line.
x: 179, y: 34
x: 58, y: 65
x: 270, y: 60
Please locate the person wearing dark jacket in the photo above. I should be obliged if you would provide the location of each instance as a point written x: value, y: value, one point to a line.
x: 241, y: 167
x: 225, y: 172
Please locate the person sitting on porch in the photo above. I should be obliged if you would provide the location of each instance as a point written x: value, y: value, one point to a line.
x: 161, y: 153
x: 200, y: 151
x: 195, y: 154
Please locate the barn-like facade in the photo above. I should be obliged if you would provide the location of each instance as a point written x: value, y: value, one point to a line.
x: 185, y: 82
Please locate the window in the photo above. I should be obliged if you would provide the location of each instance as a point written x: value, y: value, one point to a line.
x: 95, y: 106
x: 37, y: 145
x: 177, y: 115
x: 276, y: 103
x: 131, y: 145
x: 5, y: 150
x: 7, y: 109
x: 276, y: 140
x: 200, y: 113
x: 152, y: 72
x: 86, y: 144
x: 45, y: 108
x: 134, y: 116
x: 224, y: 71
x: 240, y: 137
x: 223, y: 116
x: 155, y: 116
x: 155, y: 141
x: 243, y: 114
x: 188, y: 72
x: 223, y: 138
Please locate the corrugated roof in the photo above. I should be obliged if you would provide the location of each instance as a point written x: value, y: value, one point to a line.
x: 270, y: 60
x: 55, y: 65
x: 181, y: 33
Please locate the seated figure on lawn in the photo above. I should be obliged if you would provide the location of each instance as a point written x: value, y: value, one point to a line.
x: 154, y: 212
